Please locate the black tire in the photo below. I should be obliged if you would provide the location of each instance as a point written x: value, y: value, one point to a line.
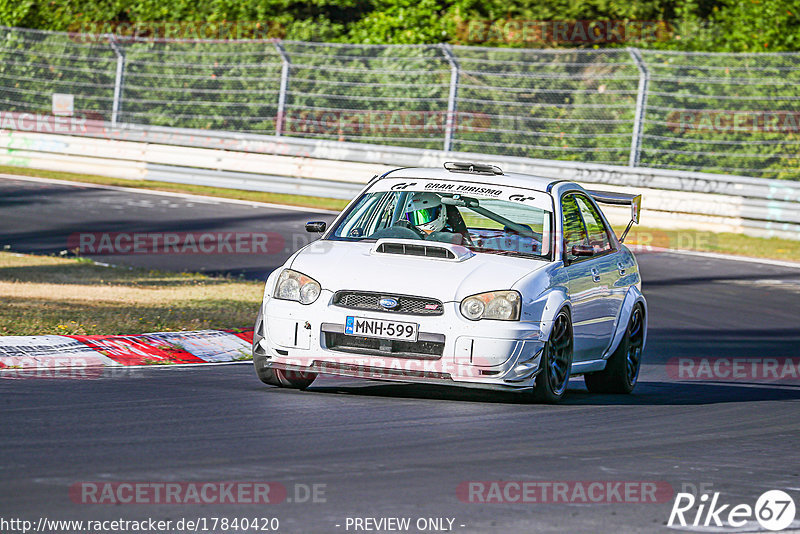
x: 552, y: 380
x: 622, y: 370
x: 276, y: 377
x: 285, y: 379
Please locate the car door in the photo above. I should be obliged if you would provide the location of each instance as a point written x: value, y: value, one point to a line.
x: 589, y: 281
x: 612, y: 262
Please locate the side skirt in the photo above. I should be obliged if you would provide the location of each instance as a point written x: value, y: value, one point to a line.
x: 591, y: 366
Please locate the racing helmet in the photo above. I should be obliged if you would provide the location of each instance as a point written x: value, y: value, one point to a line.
x: 426, y: 212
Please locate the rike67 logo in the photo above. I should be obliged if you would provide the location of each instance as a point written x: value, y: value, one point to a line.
x: 774, y: 510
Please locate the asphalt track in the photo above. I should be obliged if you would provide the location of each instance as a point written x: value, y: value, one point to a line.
x: 397, y: 450
x: 41, y: 216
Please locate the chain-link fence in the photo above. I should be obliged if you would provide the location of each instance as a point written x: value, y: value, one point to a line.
x: 732, y: 113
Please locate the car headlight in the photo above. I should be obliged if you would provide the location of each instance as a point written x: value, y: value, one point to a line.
x: 500, y: 305
x: 297, y: 286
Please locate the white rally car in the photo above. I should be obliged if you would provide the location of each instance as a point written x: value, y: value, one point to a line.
x: 461, y: 275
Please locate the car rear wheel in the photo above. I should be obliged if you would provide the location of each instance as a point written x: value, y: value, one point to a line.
x: 622, y: 369
x: 552, y: 380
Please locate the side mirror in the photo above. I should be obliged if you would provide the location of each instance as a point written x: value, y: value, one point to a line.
x: 316, y: 226
x: 576, y: 251
x: 582, y: 250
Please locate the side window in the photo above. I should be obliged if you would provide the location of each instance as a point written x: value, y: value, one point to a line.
x: 574, y: 230
x: 598, y: 233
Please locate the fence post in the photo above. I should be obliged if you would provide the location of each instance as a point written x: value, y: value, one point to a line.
x: 285, y: 64
x: 641, y: 102
x: 450, y: 125
x: 119, y: 79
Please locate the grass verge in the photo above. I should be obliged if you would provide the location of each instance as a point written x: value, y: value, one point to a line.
x: 255, y: 196
x: 53, y: 295
x: 724, y: 243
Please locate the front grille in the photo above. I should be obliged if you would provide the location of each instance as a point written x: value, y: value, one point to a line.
x: 362, y: 300
x: 419, y: 350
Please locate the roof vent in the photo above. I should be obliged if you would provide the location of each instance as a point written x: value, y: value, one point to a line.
x: 415, y: 250
x: 472, y: 168
x: 413, y: 247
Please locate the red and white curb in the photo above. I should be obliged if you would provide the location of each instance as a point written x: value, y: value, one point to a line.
x: 60, y: 356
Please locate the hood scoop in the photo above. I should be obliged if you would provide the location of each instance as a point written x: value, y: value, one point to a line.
x: 413, y: 247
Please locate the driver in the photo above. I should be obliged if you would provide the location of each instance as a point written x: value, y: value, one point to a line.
x: 426, y: 213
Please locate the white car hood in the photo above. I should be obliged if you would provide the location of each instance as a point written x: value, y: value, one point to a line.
x: 340, y: 265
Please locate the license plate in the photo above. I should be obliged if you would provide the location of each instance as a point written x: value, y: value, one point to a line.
x: 362, y: 326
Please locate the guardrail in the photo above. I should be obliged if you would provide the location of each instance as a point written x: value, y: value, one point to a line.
x: 673, y: 199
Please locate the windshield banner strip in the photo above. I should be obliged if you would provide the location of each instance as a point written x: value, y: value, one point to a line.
x: 528, y: 197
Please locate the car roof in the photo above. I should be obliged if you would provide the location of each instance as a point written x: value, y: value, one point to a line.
x: 529, y: 181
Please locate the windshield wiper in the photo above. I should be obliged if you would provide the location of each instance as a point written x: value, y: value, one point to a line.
x: 505, y: 252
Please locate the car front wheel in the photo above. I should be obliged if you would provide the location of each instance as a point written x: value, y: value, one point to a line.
x: 285, y: 379
x: 551, y: 382
x: 275, y: 377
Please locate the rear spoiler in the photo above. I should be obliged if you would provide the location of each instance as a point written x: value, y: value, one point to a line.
x: 621, y: 199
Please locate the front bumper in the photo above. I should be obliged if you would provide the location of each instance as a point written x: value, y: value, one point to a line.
x: 451, y: 349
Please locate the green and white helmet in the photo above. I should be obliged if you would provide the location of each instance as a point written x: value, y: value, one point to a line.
x: 426, y: 212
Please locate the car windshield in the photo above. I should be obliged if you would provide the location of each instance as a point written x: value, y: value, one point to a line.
x: 517, y: 224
